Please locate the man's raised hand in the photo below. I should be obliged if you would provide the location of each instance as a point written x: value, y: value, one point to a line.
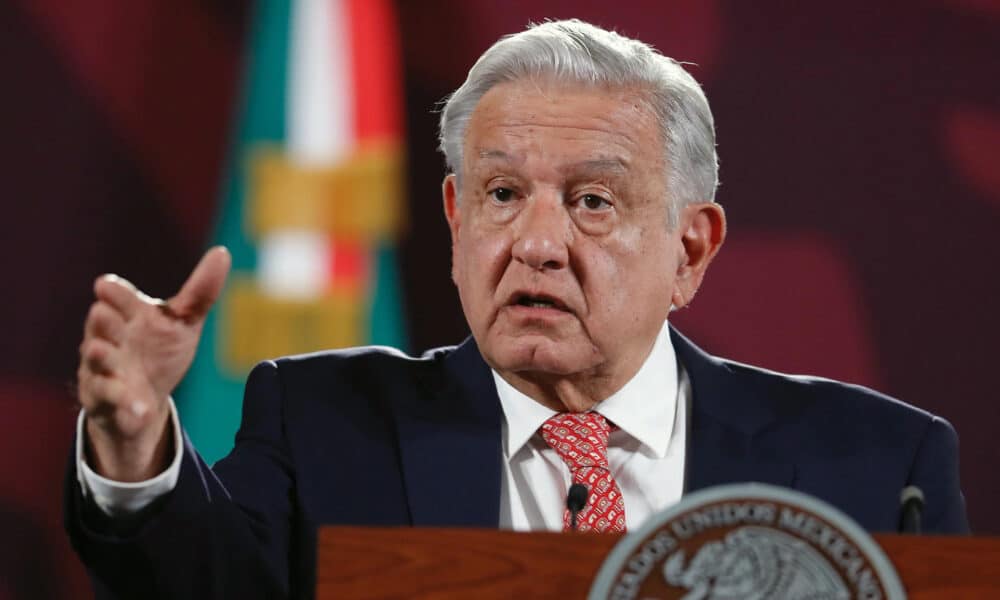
x: 135, y: 351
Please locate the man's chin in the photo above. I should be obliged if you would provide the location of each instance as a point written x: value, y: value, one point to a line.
x: 541, y: 355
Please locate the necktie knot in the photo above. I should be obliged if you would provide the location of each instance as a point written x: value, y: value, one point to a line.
x: 580, y: 439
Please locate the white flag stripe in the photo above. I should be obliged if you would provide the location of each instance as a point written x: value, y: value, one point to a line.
x: 319, y: 132
x: 294, y: 264
x: 319, y: 122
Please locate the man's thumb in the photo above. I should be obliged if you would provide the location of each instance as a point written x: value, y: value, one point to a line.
x: 203, y: 286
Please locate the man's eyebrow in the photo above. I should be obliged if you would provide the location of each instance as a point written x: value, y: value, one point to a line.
x: 618, y: 165
x: 495, y: 155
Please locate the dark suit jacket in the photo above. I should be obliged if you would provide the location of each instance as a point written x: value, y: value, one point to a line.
x: 370, y: 436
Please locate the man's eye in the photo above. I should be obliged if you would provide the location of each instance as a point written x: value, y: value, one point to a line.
x: 502, y: 195
x: 594, y: 202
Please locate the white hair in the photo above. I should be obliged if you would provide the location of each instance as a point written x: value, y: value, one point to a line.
x: 578, y: 52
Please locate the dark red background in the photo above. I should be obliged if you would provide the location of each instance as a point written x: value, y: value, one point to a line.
x: 860, y: 144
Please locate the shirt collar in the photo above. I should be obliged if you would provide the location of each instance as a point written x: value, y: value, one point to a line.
x: 643, y: 408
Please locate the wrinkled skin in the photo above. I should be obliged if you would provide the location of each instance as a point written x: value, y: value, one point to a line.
x: 561, y: 250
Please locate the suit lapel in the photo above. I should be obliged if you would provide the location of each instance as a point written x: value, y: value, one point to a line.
x: 727, y: 429
x: 450, y: 443
x: 449, y: 438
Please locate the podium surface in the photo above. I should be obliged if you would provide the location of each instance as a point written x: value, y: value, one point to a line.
x: 359, y: 562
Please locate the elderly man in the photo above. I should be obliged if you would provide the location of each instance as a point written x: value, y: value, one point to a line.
x: 580, y: 201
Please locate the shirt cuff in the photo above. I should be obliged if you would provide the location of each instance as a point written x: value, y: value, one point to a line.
x: 117, y: 498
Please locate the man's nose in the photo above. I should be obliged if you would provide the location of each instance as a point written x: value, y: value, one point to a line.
x: 543, y: 234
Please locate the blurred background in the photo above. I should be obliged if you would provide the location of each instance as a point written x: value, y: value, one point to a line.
x: 860, y: 149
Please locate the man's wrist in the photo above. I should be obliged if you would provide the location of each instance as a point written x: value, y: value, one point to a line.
x: 134, y: 459
x: 125, y: 497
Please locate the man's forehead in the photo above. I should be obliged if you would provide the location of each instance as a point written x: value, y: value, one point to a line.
x: 604, y: 163
x: 564, y: 125
x: 526, y: 103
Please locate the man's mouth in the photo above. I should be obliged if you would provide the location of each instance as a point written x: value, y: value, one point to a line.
x: 539, y: 302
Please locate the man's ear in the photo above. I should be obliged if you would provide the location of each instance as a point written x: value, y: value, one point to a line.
x: 703, y: 229
x: 449, y: 194
x: 453, y: 214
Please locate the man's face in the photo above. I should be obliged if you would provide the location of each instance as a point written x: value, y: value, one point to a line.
x: 561, y: 249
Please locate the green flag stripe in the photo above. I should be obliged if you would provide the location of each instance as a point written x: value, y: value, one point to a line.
x: 209, y: 401
x: 386, y: 326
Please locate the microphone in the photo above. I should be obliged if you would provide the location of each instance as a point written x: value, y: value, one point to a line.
x: 576, y: 499
x: 912, y: 502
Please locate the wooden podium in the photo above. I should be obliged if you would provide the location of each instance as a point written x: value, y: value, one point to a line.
x: 356, y: 562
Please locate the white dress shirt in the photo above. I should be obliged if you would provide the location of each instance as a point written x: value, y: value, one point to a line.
x: 646, y: 453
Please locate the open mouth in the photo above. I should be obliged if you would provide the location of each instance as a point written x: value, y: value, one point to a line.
x: 539, y: 302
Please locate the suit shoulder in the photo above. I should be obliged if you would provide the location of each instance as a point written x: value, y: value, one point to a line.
x: 793, y: 393
x: 360, y: 357
x: 373, y: 367
x: 750, y: 396
x: 355, y: 383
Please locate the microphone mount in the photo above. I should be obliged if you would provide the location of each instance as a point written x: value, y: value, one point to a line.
x: 911, y: 502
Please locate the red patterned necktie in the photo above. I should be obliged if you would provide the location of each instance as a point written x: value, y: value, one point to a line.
x: 581, y: 440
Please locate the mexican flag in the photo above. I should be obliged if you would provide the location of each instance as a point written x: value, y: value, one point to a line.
x: 313, y: 205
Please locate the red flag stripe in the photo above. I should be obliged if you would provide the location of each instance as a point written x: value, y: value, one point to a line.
x: 375, y: 52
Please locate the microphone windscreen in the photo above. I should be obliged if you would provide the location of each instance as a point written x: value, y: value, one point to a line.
x: 576, y: 499
x: 911, y: 493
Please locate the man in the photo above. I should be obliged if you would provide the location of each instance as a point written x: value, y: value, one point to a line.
x: 580, y: 201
